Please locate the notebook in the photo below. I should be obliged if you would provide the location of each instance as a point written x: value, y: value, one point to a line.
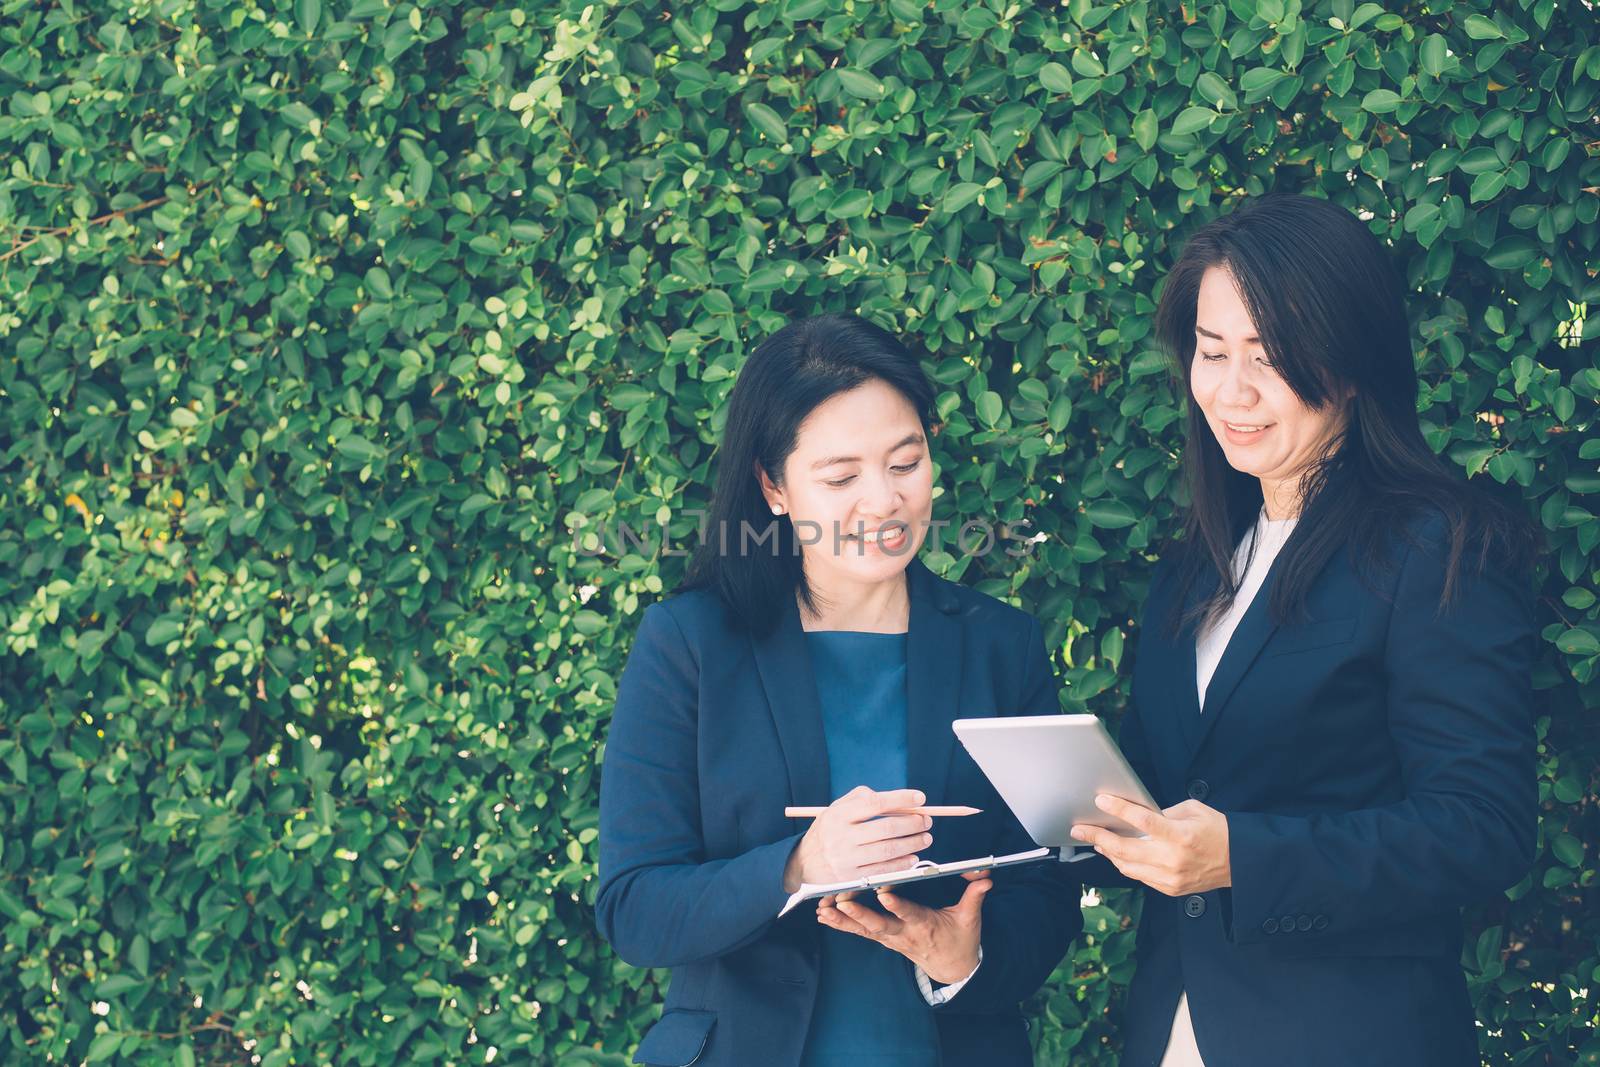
x: 925, y: 870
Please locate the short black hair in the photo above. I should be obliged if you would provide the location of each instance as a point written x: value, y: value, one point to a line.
x: 783, y: 380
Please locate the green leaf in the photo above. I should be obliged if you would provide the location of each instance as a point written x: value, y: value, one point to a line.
x: 1145, y: 129
x: 139, y: 954
x: 1111, y: 647
x: 1568, y: 849
x: 1487, y: 950
x: 421, y: 180
x: 357, y: 447
x: 298, y: 114
x: 1087, y: 63
x: 850, y: 203
x: 1555, y: 153
x: 1060, y: 413
x: 1578, y: 643
x: 1435, y: 54
x: 163, y: 630
x: 959, y: 196
x: 1578, y: 598
x: 1380, y: 101
x: 1487, y: 186
x: 1055, y: 78
x: 1511, y: 253
x: 1261, y: 79
x: 310, y: 12
x: 768, y: 121
x: 118, y: 984
x: 475, y: 503
x: 103, y: 1047
x: 1111, y: 514
x: 377, y: 280
x: 1193, y: 120
x: 860, y: 84
x: 1215, y: 91
x: 1482, y: 28
x: 990, y: 407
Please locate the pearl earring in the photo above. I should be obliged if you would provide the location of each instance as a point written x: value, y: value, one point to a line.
x: 777, y: 509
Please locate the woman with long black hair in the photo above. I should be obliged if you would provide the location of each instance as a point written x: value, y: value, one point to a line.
x: 811, y: 659
x: 1332, y: 694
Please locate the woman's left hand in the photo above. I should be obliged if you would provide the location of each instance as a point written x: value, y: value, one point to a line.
x: 942, y: 941
x: 1186, y: 850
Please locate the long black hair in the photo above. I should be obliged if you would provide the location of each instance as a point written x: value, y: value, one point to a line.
x: 1328, y: 305
x: 783, y: 380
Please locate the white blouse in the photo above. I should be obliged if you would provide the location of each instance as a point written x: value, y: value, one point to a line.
x: 1268, y: 537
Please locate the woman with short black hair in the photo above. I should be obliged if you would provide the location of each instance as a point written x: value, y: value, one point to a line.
x: 1332, y: 695
x: 812, y: 660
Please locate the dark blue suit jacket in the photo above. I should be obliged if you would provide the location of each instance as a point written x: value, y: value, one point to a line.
x: 715, y: 732
x: 1376, y: 765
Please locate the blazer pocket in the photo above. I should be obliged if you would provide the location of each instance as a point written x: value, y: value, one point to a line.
x: 1423, y: 940
x: 1306, y: 636
x: 677, y: 1039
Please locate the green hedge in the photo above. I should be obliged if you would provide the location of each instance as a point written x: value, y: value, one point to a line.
x: 332, y: 334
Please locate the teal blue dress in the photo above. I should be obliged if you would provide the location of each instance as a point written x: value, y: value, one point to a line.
x: 869, y: 1012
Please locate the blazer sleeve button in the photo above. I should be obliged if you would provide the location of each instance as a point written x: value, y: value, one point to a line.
x: 1286, y: 924
x: 1319, y: 923
x: 1199, y: 789
x: 1194, y: 906
x: 1303, y: 924
x: 1269, y: 926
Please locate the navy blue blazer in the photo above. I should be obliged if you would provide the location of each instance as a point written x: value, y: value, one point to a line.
x: 1376, y: 766
x: 715, y: 732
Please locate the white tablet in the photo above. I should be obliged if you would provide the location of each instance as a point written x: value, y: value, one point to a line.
x: 1049, y: 768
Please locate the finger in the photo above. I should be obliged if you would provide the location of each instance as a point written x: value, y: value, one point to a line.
x: 851, y: 801
x: 888, y: 827
x: 1138, y: 816
x: 1123, y: 866
x: 970, y: 906
x: 973, y: 876
x: 877, y: 926
x: 894, y: 866
x: 844, y: 924
x: 890, y: 799
x: 1090, y: 834
x: 901, y: 908
x: 1116, y: 847
x: 1189, y: 809
x: 888, y: 851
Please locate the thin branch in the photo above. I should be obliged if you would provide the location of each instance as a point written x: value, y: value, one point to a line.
x: 63, y: 231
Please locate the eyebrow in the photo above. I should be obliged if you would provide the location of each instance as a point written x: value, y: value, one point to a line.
x: 1203, y: 332
x: 909, y: 439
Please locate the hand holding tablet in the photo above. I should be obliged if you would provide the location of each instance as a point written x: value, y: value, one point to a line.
x: 1050, y: 768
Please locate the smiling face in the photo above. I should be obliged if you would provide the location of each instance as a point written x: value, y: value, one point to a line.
x: 858, y: 486
x: 1264, y: 429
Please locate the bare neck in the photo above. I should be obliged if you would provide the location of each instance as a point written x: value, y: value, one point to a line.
x: 876, y: 607
x: 1281, y: 498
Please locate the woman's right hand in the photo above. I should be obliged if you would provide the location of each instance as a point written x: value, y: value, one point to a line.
x: 850, y: 840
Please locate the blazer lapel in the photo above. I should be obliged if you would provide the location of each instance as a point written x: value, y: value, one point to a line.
x: 1185, y: 694
x: 1168, y: 711
x: 1252, y: 633
x: 785, y: 667
x: 933, y: 680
